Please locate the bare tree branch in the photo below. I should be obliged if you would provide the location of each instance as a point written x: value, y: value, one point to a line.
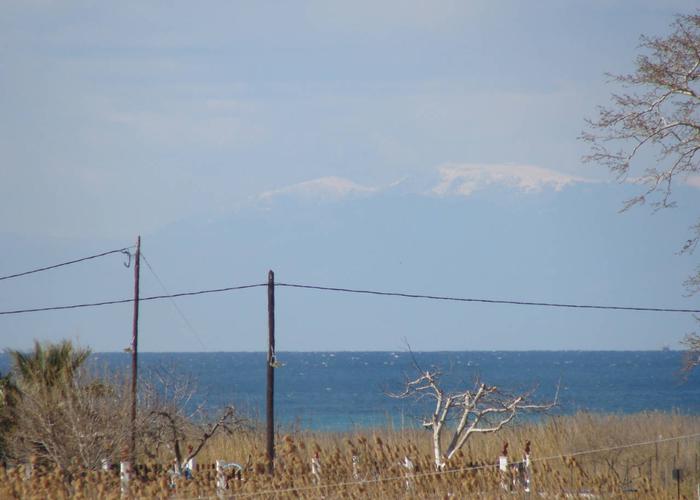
x: 482, y: 409
x: 651, y: 134
x: 659, y: 117
x: 169, y: 423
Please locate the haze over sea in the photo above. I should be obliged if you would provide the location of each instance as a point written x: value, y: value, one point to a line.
x: 347, y: 390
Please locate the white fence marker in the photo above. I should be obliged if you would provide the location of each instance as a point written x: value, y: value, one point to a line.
x: 124, y: 477
x: 316, y: 469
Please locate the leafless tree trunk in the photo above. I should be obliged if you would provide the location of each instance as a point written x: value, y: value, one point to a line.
x: 481, y: 409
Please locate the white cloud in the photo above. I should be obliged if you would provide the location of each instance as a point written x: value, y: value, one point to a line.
x: 465, y: 179
x: 324, y: 188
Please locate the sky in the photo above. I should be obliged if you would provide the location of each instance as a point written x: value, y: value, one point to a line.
x: 421, y: 147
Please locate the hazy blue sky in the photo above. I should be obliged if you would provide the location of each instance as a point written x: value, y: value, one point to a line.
x: 411, y: 146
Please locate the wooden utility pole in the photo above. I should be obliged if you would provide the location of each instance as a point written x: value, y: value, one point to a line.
x: 135, y: 351
x: 271, y: 373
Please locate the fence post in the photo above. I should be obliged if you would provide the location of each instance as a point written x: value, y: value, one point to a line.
x: 503, y: 468
x: 526, y: 468
x: 221, y: 483
x: 124, y: 477
x: 29, y: 468
x: 316, y: 469
x: 409, y: 468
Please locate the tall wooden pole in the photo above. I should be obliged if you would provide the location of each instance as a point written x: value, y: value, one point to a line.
x: 271, y: 373
x: 135, y: 351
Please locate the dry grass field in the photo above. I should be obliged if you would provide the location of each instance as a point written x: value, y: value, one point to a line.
x: 580, y: 456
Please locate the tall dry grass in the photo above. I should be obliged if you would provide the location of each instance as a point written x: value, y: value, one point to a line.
x: 561, y: 464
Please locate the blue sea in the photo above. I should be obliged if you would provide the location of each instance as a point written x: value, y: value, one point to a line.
x: 348, y: 390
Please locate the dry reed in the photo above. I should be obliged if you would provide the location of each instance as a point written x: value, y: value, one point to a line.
x: 369, y: 464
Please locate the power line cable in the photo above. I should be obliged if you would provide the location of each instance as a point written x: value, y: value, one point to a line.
x: 367, y: 292
x: 17, y: 275
x: 172, y: 301
x: 486, y: 301
x: 124, y: 301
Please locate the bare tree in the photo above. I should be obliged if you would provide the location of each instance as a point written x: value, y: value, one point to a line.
x: 58, y: 412
x: 81, y: 421
x: 169, y: 419
x: 659, y: 117
x: 651, y: 133
x: 459, y: 415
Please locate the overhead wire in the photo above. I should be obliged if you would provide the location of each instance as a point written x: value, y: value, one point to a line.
x: 124, y: 301
x: 75, y: 261
x: 486, y: 301
x: 193, y: 331
x: 367, y: 292
x: 328, y: 289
